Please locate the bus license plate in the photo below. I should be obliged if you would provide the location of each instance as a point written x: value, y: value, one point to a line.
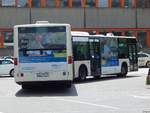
x: 44, y: 74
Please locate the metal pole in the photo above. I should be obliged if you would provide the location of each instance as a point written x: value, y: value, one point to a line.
x: 84, y: 23
x: 30, y: 18
x: 136, y: 18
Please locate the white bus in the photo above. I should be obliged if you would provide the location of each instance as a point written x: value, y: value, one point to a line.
x: 103, y: 55
x: 43, y: 54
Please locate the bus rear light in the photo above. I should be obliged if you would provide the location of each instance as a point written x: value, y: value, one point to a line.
x: 15, y: 61
x: 70, y: 60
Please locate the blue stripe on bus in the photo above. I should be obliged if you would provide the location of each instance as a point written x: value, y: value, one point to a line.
x: 38, y: 59
x: 113, y: 61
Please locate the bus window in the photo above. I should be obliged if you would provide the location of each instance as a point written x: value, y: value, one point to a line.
x: 42, y: 38
x: 81, y: 51
x: 109, y: 51
x: 123, y: 52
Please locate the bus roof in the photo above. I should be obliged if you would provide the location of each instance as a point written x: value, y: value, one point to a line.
x: 41, y: 24
x: 112, y: 36
x: 80, y: 36
x: 79, y: 33
x: 86, y: 34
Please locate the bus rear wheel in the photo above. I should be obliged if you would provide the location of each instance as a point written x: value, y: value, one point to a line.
x: 82, y: 73
x: 124, y: 71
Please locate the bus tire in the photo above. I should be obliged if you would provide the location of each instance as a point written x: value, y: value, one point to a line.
x: 82, y: 73
x: 124, y: 70
x: 97, y: 77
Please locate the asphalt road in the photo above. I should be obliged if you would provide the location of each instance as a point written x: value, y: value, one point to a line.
x: 107, y: 95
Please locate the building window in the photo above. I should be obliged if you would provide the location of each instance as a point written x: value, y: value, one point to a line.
x: 103, y: 3
x: 36, y: 3
x: 77, y: 3
x: 141, y: 36
x: 129, y: 33
x: 64, y: 3
x: 8, y: 37
x: 116, y: 3
x: 90, y: 3
x: 50, y: 3
x: 140, y: 3
x: 117, y: 33
x: 0, y: 3
x: 8, y: 2
x: 147, y: 3
x: 128, y: 3
x: 143, y: 3
x: 22, y: 3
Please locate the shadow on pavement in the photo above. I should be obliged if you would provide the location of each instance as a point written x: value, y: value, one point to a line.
x: 88, y: 80
x: 47, y: 91
x: 5, y: 76
x: 62, y: 91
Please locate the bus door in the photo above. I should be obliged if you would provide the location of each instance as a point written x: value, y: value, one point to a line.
x: 95, y: 57
x: 133, y: 57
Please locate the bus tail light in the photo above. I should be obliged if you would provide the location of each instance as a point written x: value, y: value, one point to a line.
x: 15, y: 61
x: 70, y: 60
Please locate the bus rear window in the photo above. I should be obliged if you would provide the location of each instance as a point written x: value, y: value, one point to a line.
x: 50, y: 38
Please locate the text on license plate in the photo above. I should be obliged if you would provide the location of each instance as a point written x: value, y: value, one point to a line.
x: 43, y: 74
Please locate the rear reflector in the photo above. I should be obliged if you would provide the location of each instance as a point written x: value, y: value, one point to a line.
x: 70, y: 60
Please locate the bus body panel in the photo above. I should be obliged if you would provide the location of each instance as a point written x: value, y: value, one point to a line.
x: 77, y: 65
x: 69, y: 53
x: 45, y: 76
x: 111, y: 48
x: 42, y: 71
x: 80, y: 38
x: 115, y: 69
x: 121, y: 61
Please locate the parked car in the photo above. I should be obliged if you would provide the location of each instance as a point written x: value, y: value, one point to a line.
x: 7, y: 57
x: 143, y: 59
x: 6, y: 67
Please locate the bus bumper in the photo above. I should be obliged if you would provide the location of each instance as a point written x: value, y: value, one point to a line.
x: 37, y: 84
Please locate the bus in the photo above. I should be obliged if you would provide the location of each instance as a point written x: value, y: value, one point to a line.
x: 43, y: 54
x: 103, y: 55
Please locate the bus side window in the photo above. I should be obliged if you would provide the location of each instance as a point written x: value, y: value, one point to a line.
x: 80, y: 55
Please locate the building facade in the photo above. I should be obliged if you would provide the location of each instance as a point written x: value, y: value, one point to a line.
x: 121, y: 17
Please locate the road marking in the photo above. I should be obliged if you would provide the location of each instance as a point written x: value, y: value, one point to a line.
x: 141, y: 97
x: 88, y: 103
